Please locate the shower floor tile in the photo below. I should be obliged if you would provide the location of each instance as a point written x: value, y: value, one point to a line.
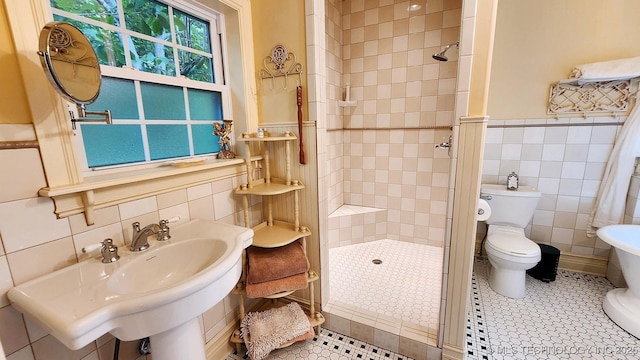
x: 558, y: 320
x: 402, y: 291
x: 329, y: 345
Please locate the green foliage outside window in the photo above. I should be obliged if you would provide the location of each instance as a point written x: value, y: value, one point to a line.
x: 149, y: 18
x: 150, y: 117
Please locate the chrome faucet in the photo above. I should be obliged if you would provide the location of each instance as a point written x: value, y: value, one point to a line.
x: 140, y: 241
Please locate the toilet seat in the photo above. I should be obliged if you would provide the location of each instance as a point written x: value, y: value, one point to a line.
x: 512, y: 242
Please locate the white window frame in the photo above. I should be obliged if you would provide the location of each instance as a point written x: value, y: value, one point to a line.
x: 71, y: 192
x: 127, y: 72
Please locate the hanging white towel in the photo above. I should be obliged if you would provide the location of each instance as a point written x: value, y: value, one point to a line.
x: 620, y: 69
x: 612, y: 195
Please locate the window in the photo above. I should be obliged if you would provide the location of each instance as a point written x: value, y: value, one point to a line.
x: 162, y: 79
x: 71, y: 191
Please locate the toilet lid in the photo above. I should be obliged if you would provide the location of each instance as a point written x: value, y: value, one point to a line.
x: 512, y: 241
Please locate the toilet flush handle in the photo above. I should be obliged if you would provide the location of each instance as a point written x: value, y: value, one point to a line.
x: 485, y: 197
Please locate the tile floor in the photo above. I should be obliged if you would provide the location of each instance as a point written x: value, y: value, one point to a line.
x: 558, y: 320
x: 393, y: 292
x: 329, y: 346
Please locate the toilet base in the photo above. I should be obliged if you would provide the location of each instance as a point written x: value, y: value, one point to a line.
x: 507, y: 282
x: 623, y: 307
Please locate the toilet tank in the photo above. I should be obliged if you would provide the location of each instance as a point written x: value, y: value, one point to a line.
x: 510, y: 207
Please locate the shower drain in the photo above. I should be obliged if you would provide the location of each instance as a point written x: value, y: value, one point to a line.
x: 376, y: 261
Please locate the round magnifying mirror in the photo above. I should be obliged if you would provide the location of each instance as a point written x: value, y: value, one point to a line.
x: 70, y: 62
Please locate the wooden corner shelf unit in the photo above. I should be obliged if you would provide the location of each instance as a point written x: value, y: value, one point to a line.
x: 273, y: 233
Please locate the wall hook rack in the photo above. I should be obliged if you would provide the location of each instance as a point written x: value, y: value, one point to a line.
x: 280, y: 63
x: 598, y: 97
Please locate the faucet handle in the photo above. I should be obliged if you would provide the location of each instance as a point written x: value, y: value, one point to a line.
x: 163, y: 233
x: 109, y: 251
x: 91, y: 248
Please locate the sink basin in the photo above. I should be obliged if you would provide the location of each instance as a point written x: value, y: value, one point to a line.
x: 157, y: 293
x: 150, y: 272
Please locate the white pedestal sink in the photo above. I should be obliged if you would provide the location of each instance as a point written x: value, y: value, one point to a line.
x: 623, y: 305
x: 157, y: 293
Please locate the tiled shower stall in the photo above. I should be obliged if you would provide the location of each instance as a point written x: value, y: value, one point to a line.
x: 382, y: 151
x: 386, y: 178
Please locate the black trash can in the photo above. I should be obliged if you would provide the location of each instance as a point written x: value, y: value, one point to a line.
x: 547, y: 268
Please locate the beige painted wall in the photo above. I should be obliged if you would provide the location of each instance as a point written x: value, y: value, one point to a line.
x: 538, y: 43
x: 279, y: 22
x: 13, y: 101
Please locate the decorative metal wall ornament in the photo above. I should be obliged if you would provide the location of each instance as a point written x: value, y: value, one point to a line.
x: 223, y: 130
x: 606, y: 96
x: 280, y: 63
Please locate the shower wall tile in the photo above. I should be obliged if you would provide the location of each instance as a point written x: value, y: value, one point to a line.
x: 336, y: 46
x: 565, y: 163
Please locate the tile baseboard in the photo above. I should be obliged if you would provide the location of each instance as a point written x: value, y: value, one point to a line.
x: 589, y: 264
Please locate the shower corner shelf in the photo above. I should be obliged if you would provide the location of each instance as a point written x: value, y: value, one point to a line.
x: 273, y: 233
x: 350, y: 103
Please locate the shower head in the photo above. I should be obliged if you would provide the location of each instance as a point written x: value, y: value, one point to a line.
x: 441, y: 55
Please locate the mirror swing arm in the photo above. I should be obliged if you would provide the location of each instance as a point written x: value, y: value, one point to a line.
x: 72, y: 67
x: 82, y: 116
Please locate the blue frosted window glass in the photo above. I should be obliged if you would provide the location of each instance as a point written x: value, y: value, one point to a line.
x: 205, y: 105
x: 119, y: 96
x: 204, y: 142
x: 110, y: 145
x: 167, y: 141
x: 162, y: 102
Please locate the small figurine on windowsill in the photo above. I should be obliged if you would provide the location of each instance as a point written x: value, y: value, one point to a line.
x: 223, y: 130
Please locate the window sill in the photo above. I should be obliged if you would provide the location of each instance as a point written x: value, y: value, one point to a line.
x: 106, y: 190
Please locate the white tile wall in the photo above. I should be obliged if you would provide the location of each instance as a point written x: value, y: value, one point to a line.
x: 138, y: 207
x: 30, y: 222
x: 565, y: 163
x: 5, y: 281
x: 21, y: 172
x: 199, y: 191
x: 36, y: 242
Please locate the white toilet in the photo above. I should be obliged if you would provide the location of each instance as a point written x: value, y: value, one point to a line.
x: 509, y: 251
